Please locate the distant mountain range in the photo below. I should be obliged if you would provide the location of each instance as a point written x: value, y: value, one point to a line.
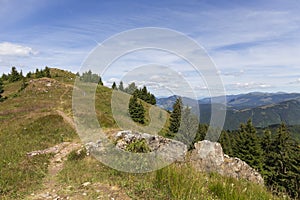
x: 264, y: 109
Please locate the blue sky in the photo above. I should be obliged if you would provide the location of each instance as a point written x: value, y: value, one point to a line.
x: 254, y: 44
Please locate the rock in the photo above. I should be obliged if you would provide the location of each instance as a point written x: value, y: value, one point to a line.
x: 209, y: 157
x: 171, y: 150
x: 86, y: 184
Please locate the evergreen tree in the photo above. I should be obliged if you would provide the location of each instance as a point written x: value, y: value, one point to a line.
x: 100, y: 81
x: 226, y: 143
x: 47, y: 72
x: 121, y: 86
x: 23, y: 85
x: 4, y: 77
x: 136, y: 110
x: 114, y: 86
x: 14, y: 75
x: 175, y: 116
x: 282, y: 163
x: 188, y: 128
x: 247, y: 146
x: 28, y: 75
x: 39, y: 73
x: 131, y: 88
x: 1, y: 90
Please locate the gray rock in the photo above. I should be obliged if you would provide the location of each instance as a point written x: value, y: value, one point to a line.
x: 209, y: 157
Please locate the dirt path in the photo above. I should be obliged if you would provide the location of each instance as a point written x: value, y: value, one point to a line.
x: 52, y: 189
x: 50, y: 184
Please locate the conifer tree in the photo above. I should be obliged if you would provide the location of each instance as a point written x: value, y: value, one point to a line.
x: 14, y: 75
x: 4, y: 77
x: 1, y: 89
x: 100, y: 81
x: 188, y: 127
x: 175, y: 116
x: 131, y: 88
x: 247, y: 146
x: 226, y: 143
x: 47, y: 72
x: 121, y: 86
x: 28, y: 75
x: 282, y: 163
x: 114, y: 86
x: 136, y: 110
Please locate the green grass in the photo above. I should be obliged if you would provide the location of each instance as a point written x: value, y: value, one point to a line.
x: 28, y: 121
x: 19, y: 175
x: 173, y: 182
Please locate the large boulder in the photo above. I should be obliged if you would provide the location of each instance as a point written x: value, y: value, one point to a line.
x: 209, y: 157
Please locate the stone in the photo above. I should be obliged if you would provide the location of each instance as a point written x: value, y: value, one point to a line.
x: 170, y: 150
x: 86, y: 184
x: 209, y: 157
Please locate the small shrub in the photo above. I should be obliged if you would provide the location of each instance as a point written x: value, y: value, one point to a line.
x: 77, y: 155
x: 138, y: 146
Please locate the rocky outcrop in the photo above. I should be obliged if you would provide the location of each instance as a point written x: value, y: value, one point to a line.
x: 209, y: 157
x: 171, y: 150
x: 206, y: 157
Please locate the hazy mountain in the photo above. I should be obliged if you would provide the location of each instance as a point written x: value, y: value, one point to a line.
x: 264, y: 108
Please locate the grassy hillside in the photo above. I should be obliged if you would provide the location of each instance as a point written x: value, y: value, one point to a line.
x: 30, y: 120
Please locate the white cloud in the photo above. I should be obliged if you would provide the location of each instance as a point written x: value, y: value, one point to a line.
x: 10, y: 49
x: 252, y: 85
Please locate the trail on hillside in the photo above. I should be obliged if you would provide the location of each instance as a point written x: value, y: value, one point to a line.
x: 51, y: 188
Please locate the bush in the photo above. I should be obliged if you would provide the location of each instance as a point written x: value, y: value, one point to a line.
x: 138, y: 146
x: 77, y: 154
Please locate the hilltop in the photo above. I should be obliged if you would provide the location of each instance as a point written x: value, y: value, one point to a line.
x: 37, y: 119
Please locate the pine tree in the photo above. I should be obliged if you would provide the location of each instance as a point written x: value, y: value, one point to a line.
x: 247, y: 146
x: 121, y: 86
x: 136, y: 110
x: 282, y: 163
x: 4, y: 77
x: 14, y: 75
x: 1, y: 90
x: 47, y: 72
x: 131, y: 88
x: 226, y: 143
x: 188, y: 127
x: 175, y: 116
x: 100, y: 81
x: 114, y: 86
x: 28, y: 75
x: 23, y: 85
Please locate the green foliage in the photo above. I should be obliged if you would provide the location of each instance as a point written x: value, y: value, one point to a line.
x: 276, y: 156
x: 130, y: 88
x: 14, y: 75
x: 188, y: 129
x: 145, y: 95
x: 1, y: 90
x: 19, y: 174
x: 247, y: 146
x: 226, y: 143
x: 138, y: 146
x: 23, y: 84
x: 282, y: 170
x: 136, y: 110
x: 77, y: 154
x: 90, y: 77
x: 114, y: 86
x: 28, y: 75
x: 121, y: 86
x: 4, y: 77
x: 175, y: 117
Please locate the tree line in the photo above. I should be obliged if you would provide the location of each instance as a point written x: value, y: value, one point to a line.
x: 274, y: 154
